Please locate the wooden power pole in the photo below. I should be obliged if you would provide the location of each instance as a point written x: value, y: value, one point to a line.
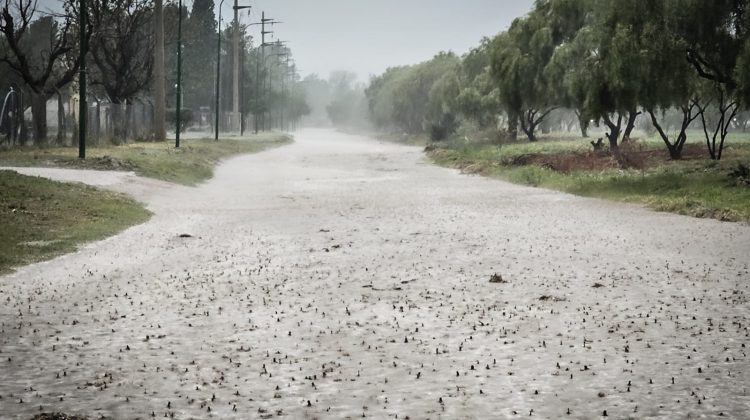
x: 160, y: 132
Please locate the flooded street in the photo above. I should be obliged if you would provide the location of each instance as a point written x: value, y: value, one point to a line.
x: 342, y: 277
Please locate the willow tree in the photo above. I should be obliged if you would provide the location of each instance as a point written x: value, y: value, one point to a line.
x: 478, y: 99
x: 716, y: 34
x: 519, y: 57
x: 568, y: 71
x: 670, y: 82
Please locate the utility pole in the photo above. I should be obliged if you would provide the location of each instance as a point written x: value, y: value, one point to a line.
x: 159, y: 100
x: 236, y: 63
x: 279, y: 54
x: 82, y: 107
x: 217, y: 109
x: 178, y: 107
x: 284, y: 101
x: 263, y: 22
x: 242, y: 91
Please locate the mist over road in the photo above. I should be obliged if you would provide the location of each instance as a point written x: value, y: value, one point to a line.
x: 341, y: 276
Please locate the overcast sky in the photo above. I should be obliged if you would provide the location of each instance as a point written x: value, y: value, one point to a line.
x: 367, y: 36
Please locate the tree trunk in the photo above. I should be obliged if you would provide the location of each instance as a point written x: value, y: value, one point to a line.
x: 674, y: 152
x: 39, y: 117
x: 528, y: 124
x: 688, y: 116
x: 528, y: 129
x: 614, y: 134
x: 60, y: 119
x: 632, y: 116
x: 583, y: 123
x: 160, y: 133
x: 513, y: 125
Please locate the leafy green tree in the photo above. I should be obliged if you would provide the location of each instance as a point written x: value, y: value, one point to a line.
x: 518, y: 60
x: 411, y: 102
x: 381, y: 95
x: 716, y: 35
x: 442, y: 107
x: 569, y: 74
x: 604, y: 60
x: 479, y: 97
x: 400, y: 97
x: 670, y: 82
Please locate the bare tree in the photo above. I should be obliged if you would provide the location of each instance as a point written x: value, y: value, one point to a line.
x: 41, y: 51
x: 122, y: 50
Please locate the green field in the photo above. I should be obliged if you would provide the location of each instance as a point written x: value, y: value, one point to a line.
x: 192, y: 163
x: 694, y: 186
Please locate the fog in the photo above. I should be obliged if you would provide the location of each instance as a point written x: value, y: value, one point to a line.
x: 366, y: 37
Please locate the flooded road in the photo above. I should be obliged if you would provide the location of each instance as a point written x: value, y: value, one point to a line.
x: 342, y: 277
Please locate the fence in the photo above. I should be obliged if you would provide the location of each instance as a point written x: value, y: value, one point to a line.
x: 117, y: 123
x: 10, y: 118
x: 108, y: 123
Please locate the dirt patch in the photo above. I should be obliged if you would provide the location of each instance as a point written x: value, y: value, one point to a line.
x: 102, y: 163
x: 568, y: 162
x: 633, y: 155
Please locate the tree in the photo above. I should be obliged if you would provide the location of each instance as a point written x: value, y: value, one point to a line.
x: 160, y: 132
x: 570, y: 76
x: 122, y: 51
x: 200, y: 55
x: 479, y: 98
x: 518, y: 60
x: 41, y: 52
x: 716, y: 34
x: 671, y: 83
x: 442, y: 108
x: 318, y: 92
x: 347, y: 106
x: 604, y: 79
x: 400, y: 97
x: 381, y: 95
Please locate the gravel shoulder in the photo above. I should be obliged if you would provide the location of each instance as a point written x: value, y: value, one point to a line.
x: 340, y: 276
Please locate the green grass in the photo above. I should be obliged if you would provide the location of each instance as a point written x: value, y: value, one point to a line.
x: 696, y: 186
x: 192, y: 163
x: 40, y: 219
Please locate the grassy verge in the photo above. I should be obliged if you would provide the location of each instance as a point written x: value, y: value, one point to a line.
x: 192, y: 163
x: 40, y: 218
x: 694, y: 186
